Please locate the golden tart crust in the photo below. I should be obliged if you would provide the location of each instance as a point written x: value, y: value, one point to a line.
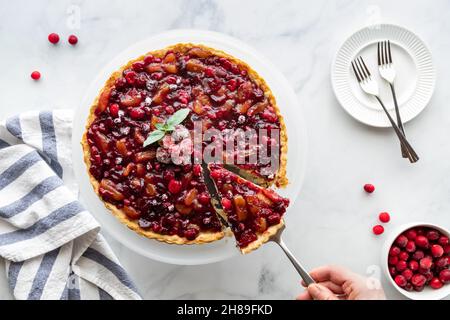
x: 279, y: 180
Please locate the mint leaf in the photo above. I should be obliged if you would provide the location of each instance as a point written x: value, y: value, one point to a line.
x: 160, y: 126
x: 153, y: 137
x: 177, y: 118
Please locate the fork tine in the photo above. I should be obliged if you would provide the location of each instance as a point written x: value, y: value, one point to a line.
x: 382, y: 53
x: 389, y: 50
x: 365, y: 67
x: 356, y: 72
x: 378, y: 54
x: 386, y: 59
x: 360, y: 70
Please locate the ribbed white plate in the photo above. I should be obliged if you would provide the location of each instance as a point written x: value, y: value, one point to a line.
x: 286, y: 100
x: 414, y: 82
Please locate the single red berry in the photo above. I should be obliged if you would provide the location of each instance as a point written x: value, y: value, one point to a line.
x: 408, y: 287
x: 400, y: 280
x: 403, y: 256
x: 447, y: 249
x: 226, y: 204
x: 394, y: 251
x: 433, y: 235
x: 410, y: 246
x: 369, y: 188
x: 401, y: 241
x: 204, y: 198
x: 393, y: 260
x: 437, y: 251
x: 442, y: 262
x: 137, y: 113
x: 421, y: 241
x: 378, y: 229
x: 418, y: 280
x: 174, y: 186
x: 114, y: 110
x: 435, y: 283
x: 407, y: 273
x: 425, y: 263
x: 35, y: 75
x: 443, y: 240
x: 401, y: 265
x: 73, y: 39
x: 444, y: 276
x: 418, y: 255
x: 413, y: 265
x: 411, y: 234
x: 53, y: 38
x: 384, y: 217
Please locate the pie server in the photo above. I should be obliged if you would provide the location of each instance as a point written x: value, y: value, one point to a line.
x: 275, y: 238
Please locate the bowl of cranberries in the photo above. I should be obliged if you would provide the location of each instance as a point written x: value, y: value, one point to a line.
x: 417, y: 261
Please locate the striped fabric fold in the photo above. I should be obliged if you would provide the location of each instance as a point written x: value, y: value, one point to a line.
x: 50, y: 243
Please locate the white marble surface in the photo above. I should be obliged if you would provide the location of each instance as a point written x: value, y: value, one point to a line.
x: 331, y: 222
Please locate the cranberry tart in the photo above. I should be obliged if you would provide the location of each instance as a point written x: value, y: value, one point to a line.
x: 152, y: 195
x: 254, y: 213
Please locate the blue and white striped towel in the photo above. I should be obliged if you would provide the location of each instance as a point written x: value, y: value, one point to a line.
x: 50, y: 243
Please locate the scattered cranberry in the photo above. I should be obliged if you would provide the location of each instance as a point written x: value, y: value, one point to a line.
x: 411, y: 234
x: 384, y: 217
x: 437, y: 251
x: 137, y: 113
x: 401, y: 265
x: 435, y: 283
x: 369, y: 188
x: 53, y: 38
x: 174, y: 186
x: 204, y: 198
x: 35, y: 75
x: 73, y: 39
x: 226, y: 204
x: 378, y: 229
x: 401, y: 241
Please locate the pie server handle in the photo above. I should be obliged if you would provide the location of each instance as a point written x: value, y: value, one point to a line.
x: 300, y: 269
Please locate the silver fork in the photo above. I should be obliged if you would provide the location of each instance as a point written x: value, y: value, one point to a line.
x: 370, y: 86
x: 387, y: 72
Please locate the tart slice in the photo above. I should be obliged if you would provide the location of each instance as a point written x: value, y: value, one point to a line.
x: 253, y: 213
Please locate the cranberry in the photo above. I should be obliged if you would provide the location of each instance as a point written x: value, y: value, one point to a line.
x: 418, y: 288
x: 204, y: 198
x: 442, y: 262
x: 191, y: 234
x: 401, y: 241
x: 197, y: 169
x: 418, y: 280
x: 226, y: 204
x: 138, y: 66
x: 413, y: 265
x: 407, y: 273
x: 131, y: 77
x: 443, y: 240
x: 418, y: 255
x: 433, y: 235
x: 369, y: 188
x: 137, y: 113
x: 408, y: 287
x: 73, y: 40
x: 53, y: 38
x: 378, y: 229
x: 437, y: 251
x: 393, y: 260
x: 392, y: 271
x: 444, y: 276
x: 400, y: 280
x: 435, y: 283
x: 384, y: 217
x: 410, y: 246
x: 35, y: 75
x: 447, y: 249
x: 425, y: 263
x: 401, y: 265
x: 394, y: 251
x: 274, y: 219
x: 168, y: 175
x: 411, y: 234
x: 114, y: 110
x: 403, y: 256
x: 421, y: 241
x: 148, y: 59
x: 174, y: 186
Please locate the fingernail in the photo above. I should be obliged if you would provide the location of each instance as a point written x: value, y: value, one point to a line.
x: 315, y: 289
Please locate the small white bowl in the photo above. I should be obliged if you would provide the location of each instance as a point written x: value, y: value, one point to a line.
x: 428, y: 293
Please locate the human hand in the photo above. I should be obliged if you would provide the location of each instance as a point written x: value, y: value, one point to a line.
x: 335, y: 282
